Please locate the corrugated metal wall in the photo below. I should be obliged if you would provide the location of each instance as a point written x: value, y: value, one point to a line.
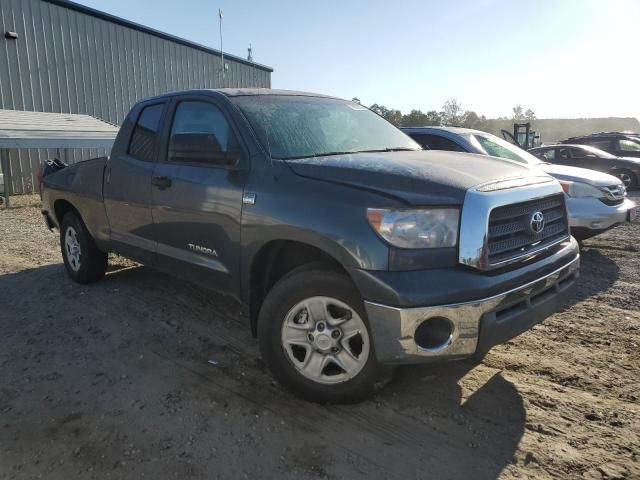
x: 71, y: 62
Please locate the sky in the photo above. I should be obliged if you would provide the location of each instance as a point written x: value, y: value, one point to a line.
x: 562, y: 58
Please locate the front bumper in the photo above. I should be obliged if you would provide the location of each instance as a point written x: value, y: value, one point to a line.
x: 476, y: 325
x: 591, y: 214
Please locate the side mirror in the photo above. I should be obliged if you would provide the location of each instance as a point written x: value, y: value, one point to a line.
x: 231, y: 159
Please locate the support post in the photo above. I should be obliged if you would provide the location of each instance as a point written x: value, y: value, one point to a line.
x: 6, y: 170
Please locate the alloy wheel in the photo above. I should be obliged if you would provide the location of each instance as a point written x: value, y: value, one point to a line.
x: 72, y: 247
x: 326, y: 340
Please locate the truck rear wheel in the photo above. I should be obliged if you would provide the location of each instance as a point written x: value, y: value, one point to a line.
x: 315, y: 339
x: 84, y: 262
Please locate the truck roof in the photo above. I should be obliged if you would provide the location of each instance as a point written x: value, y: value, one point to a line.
x: 240, y: 92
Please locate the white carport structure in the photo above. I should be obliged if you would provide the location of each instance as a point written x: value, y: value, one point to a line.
x: 34, y: 130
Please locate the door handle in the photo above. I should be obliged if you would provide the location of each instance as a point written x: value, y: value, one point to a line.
x: 161, y: 182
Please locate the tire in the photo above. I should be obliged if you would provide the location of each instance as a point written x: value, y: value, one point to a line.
x: 627, y: 177
x: 84, y: 262
x: 335, y: 303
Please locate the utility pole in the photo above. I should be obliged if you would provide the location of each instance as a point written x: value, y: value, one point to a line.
x: 221, y: 49
x: 250, y: 53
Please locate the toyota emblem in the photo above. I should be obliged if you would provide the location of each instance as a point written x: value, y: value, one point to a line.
x: 536, y: 223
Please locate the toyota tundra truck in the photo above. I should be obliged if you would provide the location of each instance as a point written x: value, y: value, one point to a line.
x: 352, y: 247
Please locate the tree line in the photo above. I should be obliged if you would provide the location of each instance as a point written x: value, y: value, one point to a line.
x: 452, y: 114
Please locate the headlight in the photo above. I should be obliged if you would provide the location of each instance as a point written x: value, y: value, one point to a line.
x: 419, y: 228
x: 581, y: 190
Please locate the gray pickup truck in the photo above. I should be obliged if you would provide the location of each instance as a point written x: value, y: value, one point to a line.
x: 352, y: 247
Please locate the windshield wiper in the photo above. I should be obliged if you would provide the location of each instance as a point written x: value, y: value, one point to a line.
x: 314, y: 155
x: 349, y: 152
x: 397, y: 149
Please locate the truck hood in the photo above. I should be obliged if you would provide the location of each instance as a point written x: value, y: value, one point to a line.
x: 576, y: 174
x: 418, y: 178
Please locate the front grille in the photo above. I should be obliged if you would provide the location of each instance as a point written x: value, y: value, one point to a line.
x: 613, y: 195
x: 610, y: 202
x: 510, y: 232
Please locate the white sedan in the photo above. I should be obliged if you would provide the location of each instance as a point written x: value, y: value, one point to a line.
x: 596, y: 201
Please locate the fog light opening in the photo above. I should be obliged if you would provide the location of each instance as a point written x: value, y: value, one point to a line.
x: 434, y: 334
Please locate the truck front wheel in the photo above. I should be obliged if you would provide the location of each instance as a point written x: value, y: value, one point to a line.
x: 315, y: 339
x: 84, y: 262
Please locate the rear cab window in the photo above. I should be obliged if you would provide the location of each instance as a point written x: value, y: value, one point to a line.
x: 145, y: 136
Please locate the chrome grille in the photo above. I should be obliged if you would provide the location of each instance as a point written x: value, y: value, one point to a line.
x: 511, y: 234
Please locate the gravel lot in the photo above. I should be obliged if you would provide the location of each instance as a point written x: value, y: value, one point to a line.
x: 114, y: 380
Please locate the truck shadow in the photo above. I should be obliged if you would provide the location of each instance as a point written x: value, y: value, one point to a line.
x: 598, y: 273
x: 452, y: 420
x: 484, y: 415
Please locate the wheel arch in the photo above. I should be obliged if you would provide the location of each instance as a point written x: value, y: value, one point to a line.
x: 61, y: 207
x: 615, y: 171
x: 274, y: 260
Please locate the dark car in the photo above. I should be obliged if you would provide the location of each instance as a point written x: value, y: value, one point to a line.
x: 620, y: 144
x: 626, y: 169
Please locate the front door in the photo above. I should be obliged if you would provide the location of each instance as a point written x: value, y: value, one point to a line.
x: 127, y: 184
x: 197, y: 196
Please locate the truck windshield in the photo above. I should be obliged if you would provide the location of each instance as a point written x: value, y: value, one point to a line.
x: 496, y: 147
x: 291, y: 126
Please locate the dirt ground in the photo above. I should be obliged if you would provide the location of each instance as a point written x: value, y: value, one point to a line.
x: 144, y: 376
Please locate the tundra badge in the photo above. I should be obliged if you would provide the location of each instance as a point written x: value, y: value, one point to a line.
x: 205, y: 250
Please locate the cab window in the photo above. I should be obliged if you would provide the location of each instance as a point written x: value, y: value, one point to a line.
x: 144, y: 139
x: 201, y: 134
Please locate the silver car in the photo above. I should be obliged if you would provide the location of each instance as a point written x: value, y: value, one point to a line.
x: 596, y: 201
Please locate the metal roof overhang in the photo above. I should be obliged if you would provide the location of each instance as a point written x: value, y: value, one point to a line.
x: 21, y: 130
x: 54, y: 141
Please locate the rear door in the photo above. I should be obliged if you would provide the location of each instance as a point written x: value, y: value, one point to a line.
x: 127, y: 184
x: 197, y: 194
